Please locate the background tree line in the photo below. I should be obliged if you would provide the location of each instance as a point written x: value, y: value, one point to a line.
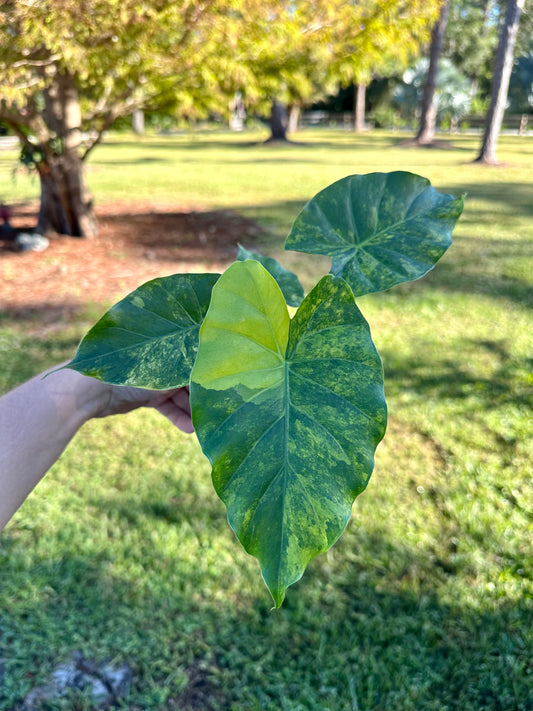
x: 71, y: 70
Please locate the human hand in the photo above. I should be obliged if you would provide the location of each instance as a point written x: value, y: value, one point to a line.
x: 90, y: 397
x: 173, y: 404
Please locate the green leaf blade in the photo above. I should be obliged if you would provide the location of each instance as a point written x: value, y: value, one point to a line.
x: 148, y: 339
x: 289, y: 455
x: 380, y: 229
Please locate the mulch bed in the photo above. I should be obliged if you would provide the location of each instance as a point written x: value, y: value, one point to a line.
x: 134, y: 244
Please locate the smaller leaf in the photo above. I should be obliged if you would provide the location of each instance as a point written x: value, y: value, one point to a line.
x: 149, y: 339
x: 380, y: 229
x: 287, y: 281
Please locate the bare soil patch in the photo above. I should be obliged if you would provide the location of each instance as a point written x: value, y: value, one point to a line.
x: 135, y: 244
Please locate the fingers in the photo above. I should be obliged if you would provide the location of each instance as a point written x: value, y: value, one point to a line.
x: 182, y: 400
x: 173, y: 404
x: 178, y: 410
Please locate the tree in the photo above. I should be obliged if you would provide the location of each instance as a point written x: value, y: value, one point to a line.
x: 452, y: 98
x: 304, y: 50
x: 520, y: 95
x: 70, y: 69
x: 377, y: 39
x: 470, y: 40
x: 500, y: 83
x: 428, y: 111
x: 286, y: 54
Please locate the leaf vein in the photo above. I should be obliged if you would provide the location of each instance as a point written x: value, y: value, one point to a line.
x: 376, y: 235
x: 251, y: 450
x: 246, y: 336
x: 242, y: 404
x: 326, y: 429
x: 179, y: 304
x: 131, y: 346
x: 336, y: 395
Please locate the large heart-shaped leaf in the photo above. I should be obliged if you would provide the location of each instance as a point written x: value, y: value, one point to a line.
x: 379, y: 229
x: 287, y: 281
x: 150, y: 338
x: 289, y: 414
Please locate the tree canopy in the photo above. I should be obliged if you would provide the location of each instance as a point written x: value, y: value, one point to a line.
x: 71, y: 68
x: 372, y: 38
x: 472, y: 37
x: 118, y: 55
x: 305, y: 51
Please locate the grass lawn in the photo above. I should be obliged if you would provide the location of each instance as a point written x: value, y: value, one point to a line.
x: 425, y: 604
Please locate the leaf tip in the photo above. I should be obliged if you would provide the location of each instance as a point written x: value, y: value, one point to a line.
x: 278, y: 596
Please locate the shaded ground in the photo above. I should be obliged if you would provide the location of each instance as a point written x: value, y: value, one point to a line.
x: 135, y: 244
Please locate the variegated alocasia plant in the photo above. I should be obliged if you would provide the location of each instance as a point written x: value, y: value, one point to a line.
x: 289, y: 411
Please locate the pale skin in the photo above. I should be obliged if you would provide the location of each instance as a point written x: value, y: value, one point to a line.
x: 39, y: 418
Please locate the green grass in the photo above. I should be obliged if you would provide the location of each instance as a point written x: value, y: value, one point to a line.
x: 425, y: 603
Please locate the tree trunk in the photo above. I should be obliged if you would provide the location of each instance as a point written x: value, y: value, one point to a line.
x: 428, y: 114
x: 294, y: 118
x: 66, y: 207
x: 359, y: 107
x: 137, y: 122
x: 500, y: 82
x: 278, y: 122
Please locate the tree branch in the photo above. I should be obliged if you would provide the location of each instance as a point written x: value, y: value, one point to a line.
x: 36, y: 62
x: 118, y: 109
x: 14, y: 117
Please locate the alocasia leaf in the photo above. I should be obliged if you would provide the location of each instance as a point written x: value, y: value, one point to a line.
x: 380, y: 229
x: 287, y: 281
x: 288, y: 412
x: 150, y: 338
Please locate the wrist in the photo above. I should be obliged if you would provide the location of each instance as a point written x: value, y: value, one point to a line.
x: 79, y: 398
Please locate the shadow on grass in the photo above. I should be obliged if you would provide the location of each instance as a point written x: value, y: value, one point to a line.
x: 355, y: 633
x: 132, y: 161
x: 503, y: 197
x: 224, y: 146
x: 190, y: 144
x: 448, y: 379
x: 45, y: 316
x: 457, y: 274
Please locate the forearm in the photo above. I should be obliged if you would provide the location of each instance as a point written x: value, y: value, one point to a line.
x: 37, y: 421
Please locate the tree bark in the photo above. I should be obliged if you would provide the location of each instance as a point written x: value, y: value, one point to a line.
x: 137, y: 122
x: 428, y: 112
x: 359, y: 107
x: 294, y: 118
x: 500, y: 83
x: 278, y: 122
x: 66, y: 206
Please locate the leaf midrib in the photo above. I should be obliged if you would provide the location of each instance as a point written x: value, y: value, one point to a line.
x: 132, y: 346
x: 388, y: 228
